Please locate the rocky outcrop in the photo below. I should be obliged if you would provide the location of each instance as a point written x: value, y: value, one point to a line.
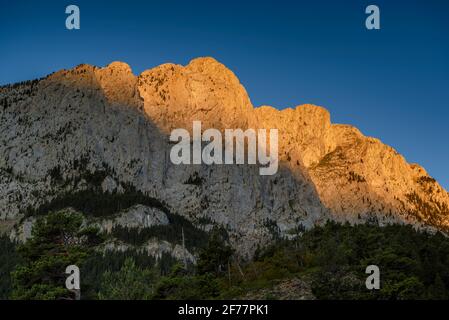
x: 357, y: 178
x: 107, y: 128
x: 136, y: 217
x: 154, y: 248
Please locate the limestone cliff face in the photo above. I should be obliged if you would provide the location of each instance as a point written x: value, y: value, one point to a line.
x: 204, y: 90
x: 358, y: 178
x: 58, y: 132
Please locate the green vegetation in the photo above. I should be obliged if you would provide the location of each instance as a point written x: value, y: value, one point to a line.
x: 332, y: 259
x: 195, y: 179
x: 194, y: 237
x: 9, y: 259
x: 181, y: 285
x: 355, y: 177
x: 204, y: 282
x: 430, y: 212
x: 111, y: 262
x: 96, y: 203
x: 129, y: 283
x: 13, y: 93
x: 58, y: 240
x: 215, y: 257
x: 425, y: 179
x: 92, y: 201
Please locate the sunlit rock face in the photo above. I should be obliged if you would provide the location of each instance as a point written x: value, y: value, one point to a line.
x: 109, y: 128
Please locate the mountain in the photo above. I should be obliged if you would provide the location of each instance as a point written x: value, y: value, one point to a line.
x: 97, y: 140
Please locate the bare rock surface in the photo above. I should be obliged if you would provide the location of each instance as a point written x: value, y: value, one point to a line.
x: 136, y: 217
x: 57, y: 134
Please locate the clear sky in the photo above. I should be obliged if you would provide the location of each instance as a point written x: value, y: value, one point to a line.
x: 392, y: 83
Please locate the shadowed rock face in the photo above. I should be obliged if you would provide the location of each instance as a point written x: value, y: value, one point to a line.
x: 108, y: 120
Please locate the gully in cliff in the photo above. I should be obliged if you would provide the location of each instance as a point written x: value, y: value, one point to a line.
x: 212, y: 153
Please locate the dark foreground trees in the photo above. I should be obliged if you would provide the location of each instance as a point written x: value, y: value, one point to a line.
x: 58, y: 240
x: 331, y: 259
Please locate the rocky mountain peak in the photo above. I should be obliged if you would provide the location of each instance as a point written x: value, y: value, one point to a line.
x: 106, y: 129
x: 119, y: 67
x: 203, y: 90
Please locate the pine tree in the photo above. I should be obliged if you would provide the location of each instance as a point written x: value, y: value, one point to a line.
x: 58, y: 241
x: 215, y: 257
x: 130, y: 283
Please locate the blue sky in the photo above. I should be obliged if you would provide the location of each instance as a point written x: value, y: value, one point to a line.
x: 392, y: 83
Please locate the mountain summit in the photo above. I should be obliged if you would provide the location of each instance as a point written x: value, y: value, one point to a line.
x: 104, y: 131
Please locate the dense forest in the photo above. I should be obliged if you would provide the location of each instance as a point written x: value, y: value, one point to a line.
x: 330, y: 259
